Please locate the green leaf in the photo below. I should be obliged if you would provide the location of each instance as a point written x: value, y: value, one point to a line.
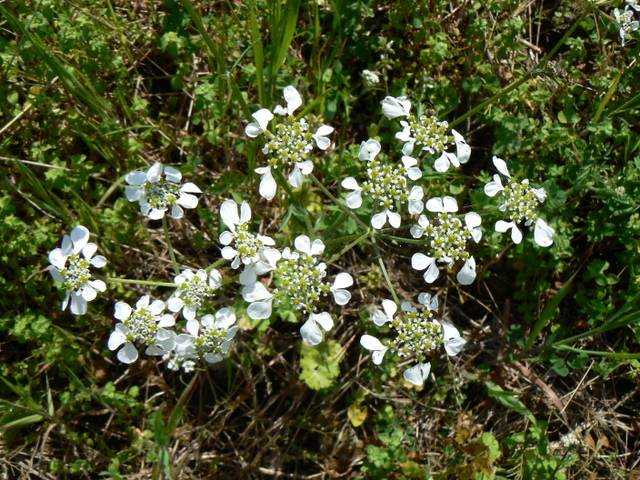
x: 320, y: 365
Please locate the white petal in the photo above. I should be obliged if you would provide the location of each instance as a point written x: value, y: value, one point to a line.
x: 341, y: 296
x: 472, y: 220
x: 176, y: 211
x: 501, y: 166
x: 317, y: 247
x: 136, y: 178
x: 379, y: 219
x: 190, y: 188
x: 396, y: 107
x: 98, y: 261
x: 293, y: 99
x: 173, y: 175
x: 354, y: 199
x: 155, y: 172
x: 542, y: 233
x: 305, y: 167
x: 463, y: 150
x: 417, y: 374
x: 57, y: 258
x: 516, y: 234
x: 79, y: 236
x: 98, y: 285
x: 420, y: 261
x: 432, y: 272
x: 268, y: 185
x: 435, y: 205
x: 295, y: 177
x: 369, y: 149
x: 467, y: 273
x: 343, y: 280
x: 187, y: 200
x: 262, y: 118
x: 454, y: 346
x: 89, y: 293
x: 260, y: 310
x: 175, y: 304
x: 502, y: 226
x: 390, y: 307
x: 371, y: 343
x: 117, y: 338
x: 323, y: 319
x: 492, y: 188
x: 128, y: 353
x: 133, y: 194
x: 442, y: 163
x: 245, y: 212
x: 311, y: 333
x: 350, y: 183
x: 224, y: 318
x: 450, y: 204
x: 55, y: 273
x: 395, y: 218
x: 303, y: 244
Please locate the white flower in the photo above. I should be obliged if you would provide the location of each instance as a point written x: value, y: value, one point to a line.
x: 521, y: 204
x: 209, y: 338
x: 244, y: 247
x: 72, y: 270
x: 626, y: 22
x: 193, y: 290
x: 145, y: 324
x: 375, y: 346
x: 289, y: 145
x: 447, y: 238
x: 299, y: 279
x: 156, y: 193
x: 417, y: 333
x: 427, y: 133
x: 386, y: 185
x: 370, y: 79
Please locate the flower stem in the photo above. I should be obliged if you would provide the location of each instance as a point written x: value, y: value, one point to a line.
x: 172, y: 254
x: 137, y: 282
x: 384, y: 270
x: 338, y: 203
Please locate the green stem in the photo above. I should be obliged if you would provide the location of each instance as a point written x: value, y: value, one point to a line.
x: 535, y: 71
x: 165, y: 225
x: 137, y: 282
x: 358, y: 240
x: 342, y: 207
x: 384, y: 270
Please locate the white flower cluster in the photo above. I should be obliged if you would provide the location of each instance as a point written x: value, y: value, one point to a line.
x: 447, y: 239
x: 521, y: 204
x: 387, y: 186
x: 208, y: 337
x: 417, y: 334
x: 300, y: 282
x: 289, y: 145
x: 70, y: 266
x: 426, y: 133
x: 156, y: 193
x: 626, y: 20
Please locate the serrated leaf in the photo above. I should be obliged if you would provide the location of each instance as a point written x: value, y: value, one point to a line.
x: 319, y: 364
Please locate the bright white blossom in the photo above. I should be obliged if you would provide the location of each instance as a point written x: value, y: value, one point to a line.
x: 417, y: 334
x: 387, y: 185
x: 426, y: 133
x: 242, y: 246
x: 159, y: 189
x: 447, y: 237
x: 209, y: 338
x: 626, y: 21
x: 370, y: 79
x: 193, y: 290
x: 145, y: 324
x: 521, y: 202
x: 299, y: 282
x: 288, y: 146
x: 70, y: 266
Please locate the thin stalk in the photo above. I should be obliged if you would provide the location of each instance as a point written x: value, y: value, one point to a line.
x: 137, y: 282
x: 338, y: 203
x: 350, y: 246
x: 165, y: 225
x: 384, y: 270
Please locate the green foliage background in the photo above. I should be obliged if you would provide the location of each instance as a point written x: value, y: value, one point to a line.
x: 91, y: 90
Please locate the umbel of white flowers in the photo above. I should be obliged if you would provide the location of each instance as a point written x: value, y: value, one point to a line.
x: 446, y: 239
x: 159, y: 189
x: 299, y: 279
x: 521, y: 203
x: 626, y: 20
x: 288, y: 146
x: 426, y: 133
x: 70, y: 267
x: 386, y: 185
x: 417, y: 334
x: 243, y: 247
